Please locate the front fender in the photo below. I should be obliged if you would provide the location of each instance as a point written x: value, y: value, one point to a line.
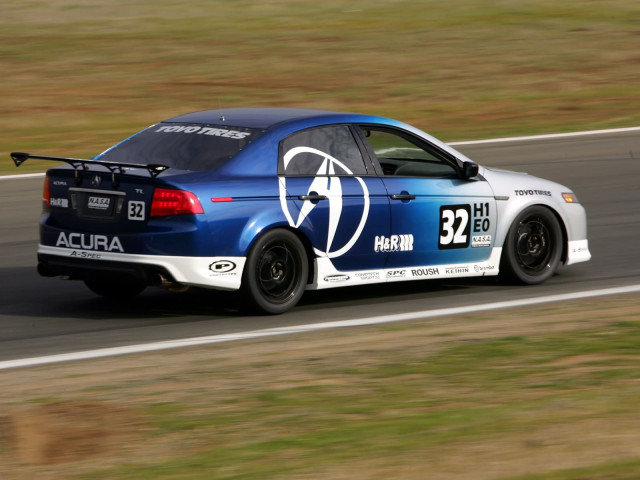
x: 515, y: 192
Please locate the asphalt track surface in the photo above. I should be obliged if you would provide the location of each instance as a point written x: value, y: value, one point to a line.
x: 43, y: 316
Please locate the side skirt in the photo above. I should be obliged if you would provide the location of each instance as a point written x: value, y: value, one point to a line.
x: 326, y: 275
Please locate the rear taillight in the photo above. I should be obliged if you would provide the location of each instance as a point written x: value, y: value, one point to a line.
x: 174, y: 202
x: 46, y: 195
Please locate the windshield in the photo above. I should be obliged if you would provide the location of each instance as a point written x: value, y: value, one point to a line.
x: 182, y: 146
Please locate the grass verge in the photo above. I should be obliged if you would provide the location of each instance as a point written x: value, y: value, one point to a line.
x: 539, y: 393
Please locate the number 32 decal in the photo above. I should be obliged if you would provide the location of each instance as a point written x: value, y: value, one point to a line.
x: 135, y: 210
x: 455, y: 227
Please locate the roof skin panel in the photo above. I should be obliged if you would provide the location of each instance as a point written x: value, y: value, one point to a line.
x: 261, y: 118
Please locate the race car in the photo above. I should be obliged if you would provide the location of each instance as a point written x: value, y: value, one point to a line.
x: 276, y: 201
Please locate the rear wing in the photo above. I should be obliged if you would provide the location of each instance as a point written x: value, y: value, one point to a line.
x: 80, y: 164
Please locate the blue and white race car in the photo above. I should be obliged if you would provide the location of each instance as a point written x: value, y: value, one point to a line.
x: 273, y: 201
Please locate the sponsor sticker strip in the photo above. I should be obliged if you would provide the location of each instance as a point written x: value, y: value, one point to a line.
x: 328, y: 276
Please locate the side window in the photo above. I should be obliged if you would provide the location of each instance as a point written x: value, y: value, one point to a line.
x: 321, y: 151
x: 402, y: 156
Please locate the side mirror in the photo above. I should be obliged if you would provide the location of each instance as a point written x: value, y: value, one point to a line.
x: 469, y: 170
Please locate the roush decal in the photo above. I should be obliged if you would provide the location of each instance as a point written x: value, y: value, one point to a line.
x: 425, y: 272
x: 394, y: 243
x: 331, y: 187
x: 200, y: 130
x: 86, y: 241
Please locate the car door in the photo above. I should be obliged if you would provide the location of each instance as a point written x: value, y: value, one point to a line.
x: 437, y: 217
x: 333, y: 197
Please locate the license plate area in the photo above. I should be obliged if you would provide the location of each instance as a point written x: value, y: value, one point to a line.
x: 97, y: 204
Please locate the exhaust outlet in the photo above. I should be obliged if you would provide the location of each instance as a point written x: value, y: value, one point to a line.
x: 159, y: 280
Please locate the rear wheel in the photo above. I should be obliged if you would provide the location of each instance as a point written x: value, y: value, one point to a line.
x: 115, y: 287
x: 276, y: 272
x: 533, y: 247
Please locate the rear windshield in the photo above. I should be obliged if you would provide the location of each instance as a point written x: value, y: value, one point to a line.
x: 182, y: 146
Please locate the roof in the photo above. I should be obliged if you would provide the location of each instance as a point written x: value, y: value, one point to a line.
x: 263, y: 118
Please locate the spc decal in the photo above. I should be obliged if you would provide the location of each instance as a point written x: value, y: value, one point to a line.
x: 324, y: 183
x: 455, y: 227
x: 396, y: 273
x: 394, y: 243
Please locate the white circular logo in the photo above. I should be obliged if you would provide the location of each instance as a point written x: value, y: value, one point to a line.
x: 328, y: 185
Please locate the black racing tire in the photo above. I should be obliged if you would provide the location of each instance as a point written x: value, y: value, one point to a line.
x: 115, y: 288
x: 533, y: 248
x: 276, y: 272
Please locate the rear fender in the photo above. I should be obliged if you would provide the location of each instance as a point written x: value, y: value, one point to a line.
x: 259, y: 223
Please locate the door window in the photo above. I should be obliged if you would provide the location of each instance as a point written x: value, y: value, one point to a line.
x: 404, y: 156
x: 328, y: 150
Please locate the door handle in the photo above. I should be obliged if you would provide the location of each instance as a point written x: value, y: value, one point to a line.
x: 403, y: 196
x: 312, y: 198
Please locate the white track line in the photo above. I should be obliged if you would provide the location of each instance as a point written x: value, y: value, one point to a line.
x: 270, y: 332
x: 547, y: 137
x: 19, y: 177
x: 455, y: 144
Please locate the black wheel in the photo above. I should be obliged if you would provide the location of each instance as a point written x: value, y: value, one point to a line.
x: 116, y: 288
x: 275, y: 274
x: 533, y: 247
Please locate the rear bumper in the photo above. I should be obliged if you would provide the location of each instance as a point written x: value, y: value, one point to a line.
x: 223, y: 273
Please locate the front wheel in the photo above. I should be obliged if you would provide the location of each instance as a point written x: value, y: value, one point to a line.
x: 533, y: 247
x: 276, y: 272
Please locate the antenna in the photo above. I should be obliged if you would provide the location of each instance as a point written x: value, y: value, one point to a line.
x: 222, y: 119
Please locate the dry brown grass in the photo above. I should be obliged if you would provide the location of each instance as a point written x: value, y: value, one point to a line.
x: 175, y: 406
x: 79, y: 76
